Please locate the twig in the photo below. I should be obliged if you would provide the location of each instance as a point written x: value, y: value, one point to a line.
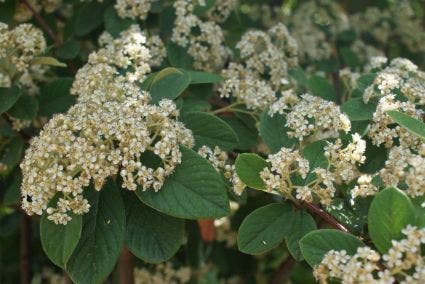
x: 207, y: 229
x: 125, y: 267
x: 24, y: 253
x: 314, y: 209
x: 283, y: 270
x: 43, y: 24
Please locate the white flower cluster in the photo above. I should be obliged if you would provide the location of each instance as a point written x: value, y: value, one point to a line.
x: 403, y: 263
x: 161, y: 274
x: 265, y: 58
x: 284, y: 163
x: 104, y: 134
x: 219, y: 160
x: 18, y: 48
x: 344, y: 160
x: 133, y: 9
x: 203, y: 39
x: 404, y: 166
x: 314, y: 25
x: 399, y: 22
x: 221, y: 10
x: 313, y: 116
x: 23, y: 13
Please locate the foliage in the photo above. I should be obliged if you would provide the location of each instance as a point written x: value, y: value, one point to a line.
x: 212, y: 141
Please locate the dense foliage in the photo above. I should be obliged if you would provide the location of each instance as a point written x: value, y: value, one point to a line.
x: 212, y: 141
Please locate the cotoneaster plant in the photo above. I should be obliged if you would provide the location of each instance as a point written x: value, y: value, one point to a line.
x: 212, y: 141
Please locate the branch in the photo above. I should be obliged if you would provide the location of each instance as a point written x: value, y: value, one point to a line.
x: 283, y: 270
x: 125, y: 267
x: 24, y: 250
x: 43, y: 24
x: 314, y: 209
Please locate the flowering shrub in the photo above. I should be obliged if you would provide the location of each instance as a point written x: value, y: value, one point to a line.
x: 212, y: 141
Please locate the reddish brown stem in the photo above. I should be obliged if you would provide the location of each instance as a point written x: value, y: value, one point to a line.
x: 314, y: 209
x: 283, y: 270
x: 24, y: 250
x: 207, y: 229
x: 125, y: 267
x: 43, y: 24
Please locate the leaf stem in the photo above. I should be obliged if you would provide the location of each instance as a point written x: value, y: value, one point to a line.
x: 314, y: 209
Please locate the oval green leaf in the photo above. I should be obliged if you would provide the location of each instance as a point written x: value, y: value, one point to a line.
x: 102, y: 235
x: 210, y: 130
x: 194, y: 191
x: 151, y: 236
x: 265, y: 228
x: 413, y: 125
x: 8, y: 97
x: 303, y: 223
x: 248, y: 167
x: 59, y: 241
x: 273, y: 131
x: 391, y: 210
x: 317, y: 243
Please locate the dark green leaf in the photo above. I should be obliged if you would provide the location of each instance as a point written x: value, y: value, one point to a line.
x: 320, y: 87
x: 102, y: 235
x: 413, y: 125
x: 194, y: 191
x: 244, y: 127
x: 357, y: 110
x: 59, y: 241
x: 89, y: 17
x: 302, y: 224
x: 151, y: 235
x: 274, y: 132
x: 265, y: 228
x: 317, y: 243
x: 178, y: 56
x: 115, y: 24
x: 11, y: 153
x: 55, y: 97
x: 248, y: 168
x: 169, y: 83
x: 25, y: 108
x: 69, y: 50
x: 8, y: 97
x: 198, y: 77
x: 210, y: 130
x: 391, y: 210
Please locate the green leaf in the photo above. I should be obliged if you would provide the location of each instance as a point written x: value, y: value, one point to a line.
x: 413, y: 125
x: 298, y: 75
x: 8, y: 97
x: 245, y: 129
x: 317, y: 243
x: 193, y: 103
x: 7, y: 10
x: 169, y: 83
x: 12, y: 193
x: 302, y: 224
x: 59, y: 241
x: 265, y: 228
x: 349, y: 57
x: 11, y: 153
x: 89, y: 17
x: 178, y: 56
x: 198, y: 77
x: 194, y: 191
x: 391, y: 210
x: 357, y: 110
x: 25, y: 108
x: 47, y: 60
x: 273, y: 131
x: 210, y: 130
x: 315, y: 155
x: 102, y: 235
x: 115, y: 24
x: 151, y: 236
x: 365, y: 81
x: 55, y: 97
x: 320, y: 87
x: 69, y: 50
x: 248, y: 167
